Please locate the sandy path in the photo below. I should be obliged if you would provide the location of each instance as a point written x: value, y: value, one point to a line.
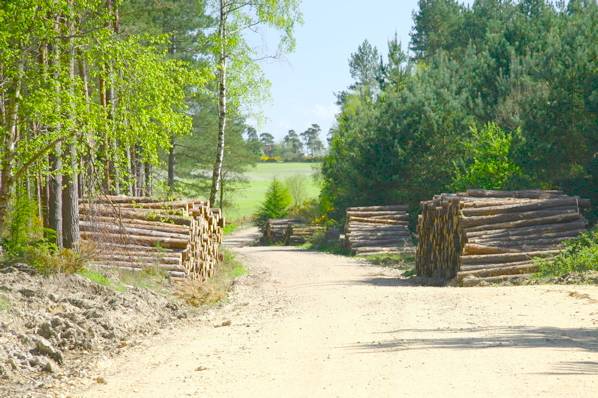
x: 309, y: 325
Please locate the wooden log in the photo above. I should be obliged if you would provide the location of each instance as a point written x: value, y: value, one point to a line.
x: 559, y: 218
x: 135, y: 239
x: 577, y: 224
x: 365, y: 228
x: 377, y: 221
x: 156, y: 225
x: 376, y: 213
x: 126, y: 230
x: 120, y: 199
x: 487, y: 272
x: 538, y: 239
x: 151, y: 257
x: 488, y: 221
x: 527, y: 194
x: 91, y: 246
x: 505, y: 257
x: 572, y: 202
x: 497, y: 265
x: 381, y: 208
x: 137, y: 214
x: 376, y: 235
x: 474, y: 249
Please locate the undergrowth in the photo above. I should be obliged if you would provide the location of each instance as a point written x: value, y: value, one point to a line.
x: 215, y: 288
x: 230, y: 228
x: 320, y: 242
x: 580, y: 255
x: 391, y: 260
x: 102, y: 279
x: 48, y: 261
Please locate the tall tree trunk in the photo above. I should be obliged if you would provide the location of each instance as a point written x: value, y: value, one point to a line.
x: 221, y: 193
x: 55, y: 192
x: 148, y: 179
x: 222, y: 58
x: 55, y: 205
x: 171, y: 164
x: 9, y: 143
x: 87, y: 172
x: 70, y: 194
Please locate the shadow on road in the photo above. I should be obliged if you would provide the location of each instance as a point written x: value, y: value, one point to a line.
x: 518, y: 336
x: 574, y: 368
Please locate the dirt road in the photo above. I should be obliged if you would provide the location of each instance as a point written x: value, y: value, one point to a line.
x: 305, y: 324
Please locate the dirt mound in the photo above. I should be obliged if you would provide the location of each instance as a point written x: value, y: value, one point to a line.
x: 49, y: 325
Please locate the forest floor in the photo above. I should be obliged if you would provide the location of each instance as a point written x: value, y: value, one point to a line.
x: 308, y: 324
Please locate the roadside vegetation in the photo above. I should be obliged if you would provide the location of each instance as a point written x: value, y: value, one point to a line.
x: 215, y: 289
x: 580, y: 255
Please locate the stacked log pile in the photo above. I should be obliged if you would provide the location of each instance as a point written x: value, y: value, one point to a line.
x: 289, y: 232
x: 299, y: 233
x: 494, y: 235
x: 181, y: 238
x: 276, y: 231
x: 378, y: 229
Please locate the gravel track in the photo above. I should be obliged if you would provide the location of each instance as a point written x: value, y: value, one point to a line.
x: 306, y: 324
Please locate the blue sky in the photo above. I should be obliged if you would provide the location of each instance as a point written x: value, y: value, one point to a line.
x: 304, y: 82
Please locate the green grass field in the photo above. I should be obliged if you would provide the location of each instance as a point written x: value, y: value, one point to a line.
x: 247, y: 199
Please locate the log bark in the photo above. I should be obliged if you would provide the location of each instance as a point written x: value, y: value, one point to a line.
x: 505, y: 257
x: 511, y: 270
x: 558, y: 218
x: 490, y: 220
x: 537, y: 205
x: 381, y: 208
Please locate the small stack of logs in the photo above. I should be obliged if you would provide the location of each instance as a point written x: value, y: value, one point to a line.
x: 494, y: 235
x: 289, y: 232
x: 378, y: 230
x: 276, y: 230
x: 298, y: 234
x: 181, y: 238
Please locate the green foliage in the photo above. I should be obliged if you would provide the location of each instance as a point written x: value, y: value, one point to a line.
x: 23, y: 227
x: 275, y: 205
x: 234, y: 268
x: 95, y: 276
x: 296, y: 185
x: 322, y: 243
x: 47, y: 261
x: 229, y: 228
x: 580, y: 254
x: 488, y: 164
x: 504, y: 90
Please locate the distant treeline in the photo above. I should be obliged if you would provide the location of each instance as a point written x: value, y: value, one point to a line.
x: 499, y: 94
x: 294, y: 147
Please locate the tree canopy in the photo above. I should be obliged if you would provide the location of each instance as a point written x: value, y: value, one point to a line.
x: 496, y: 94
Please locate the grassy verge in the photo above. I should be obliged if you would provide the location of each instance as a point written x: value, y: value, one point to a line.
x: 230, y: 228
x: 217, y: 287
x: 579, y: 256
x: 247, y: 198
x: 4, y: 303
